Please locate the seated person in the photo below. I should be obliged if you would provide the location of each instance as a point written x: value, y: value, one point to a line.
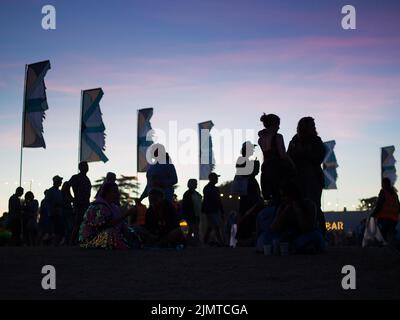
x: 296, y: 222
x: 247, y: 223
x: 162, y: 222
x: 103, y: 224
x: 265, y: 218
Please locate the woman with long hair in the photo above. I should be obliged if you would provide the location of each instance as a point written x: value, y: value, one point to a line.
x: 307, y: 152
x: 276, y: 166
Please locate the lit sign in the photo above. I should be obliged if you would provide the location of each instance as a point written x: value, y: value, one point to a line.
x: 335, y: 225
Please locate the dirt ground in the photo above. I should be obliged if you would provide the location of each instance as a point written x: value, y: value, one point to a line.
x: 197, y: 273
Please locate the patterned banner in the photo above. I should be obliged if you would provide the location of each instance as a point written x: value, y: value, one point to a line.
x: 206, y: 156
x: 388, y: 163
x: 35, y: 105
x: 92, y: 127
x: 330, y: 165
x: 144, y: 138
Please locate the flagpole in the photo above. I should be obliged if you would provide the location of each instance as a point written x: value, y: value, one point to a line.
x: 22, y: 129
x: 80, y: 130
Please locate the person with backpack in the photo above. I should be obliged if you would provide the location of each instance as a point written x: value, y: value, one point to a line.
x: 387, y: 210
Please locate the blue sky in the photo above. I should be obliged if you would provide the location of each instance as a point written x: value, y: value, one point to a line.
x: 226, y: 61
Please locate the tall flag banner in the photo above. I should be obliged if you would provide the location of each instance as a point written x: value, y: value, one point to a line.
x: 35, y: 105
x: 330, y: 165
x: 144, y: 138
x: 206, y: 155
x: 388, y: 162
x: 92, y: 134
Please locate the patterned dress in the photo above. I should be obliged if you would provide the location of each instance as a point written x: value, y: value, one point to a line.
x: 96, y: 230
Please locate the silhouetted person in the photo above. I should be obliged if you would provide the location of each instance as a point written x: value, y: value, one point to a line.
x: 30, y: 210
x: 162, y: 222
x: 247, y: 170
x: 15, y: 216
x: 213, y: 209
x: 44, y: 219
x: 296, y: 221
x: 104, y: 226
x: 55, y: 210
x: 276, y: 164
x: 67, y: 210
x: 161, y: 174
x: 111, y: 177
x: 307, y: 152
x: 81, y: 188
x: 191, y: 208
x: 387, y: 210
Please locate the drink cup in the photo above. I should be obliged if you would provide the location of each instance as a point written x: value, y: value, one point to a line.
x: 267, y: 249
x: 284, y: 248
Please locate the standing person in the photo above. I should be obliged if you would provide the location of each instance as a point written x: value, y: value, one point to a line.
x: 191, y: 208
x: 30, y: 210
x: 246, y: 172
x: 276, y: 165
x: 15, y: 215
x: 67, y: 210
x: 307, y: 152
x: 161, y: 174
x: 44, y: 219
x: 213, y: 209
x: 55, y: 209
x: 81, y: 187
x: 387, y: 210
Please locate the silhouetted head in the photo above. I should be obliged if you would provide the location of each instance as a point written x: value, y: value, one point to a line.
x: 247, y: 149
x: 111, y: 177
x: 271, y: 121
x: 306, y: 128
x: 110, y: 192
x: 192, y: 184
x: 57, y: 181
x: 213, y: 178
x: 156, y: 196
x: 83, y: 167
x: 19, y: 192
x: 29, y: 196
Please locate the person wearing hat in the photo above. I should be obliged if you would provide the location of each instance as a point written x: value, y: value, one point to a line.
x: 55, y: 205
x: 249, y: 189
x: 246, y: 172
x: 213, y: 209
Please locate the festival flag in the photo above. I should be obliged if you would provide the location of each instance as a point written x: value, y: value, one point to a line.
x: 388, y: 162
x: 330, y: 165
x: 35, y: 105
x: 92, y: 134
x: 144, y: 138
x: 206, y: 155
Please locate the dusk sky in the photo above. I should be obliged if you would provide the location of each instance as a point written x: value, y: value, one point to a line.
x: 193, y: 61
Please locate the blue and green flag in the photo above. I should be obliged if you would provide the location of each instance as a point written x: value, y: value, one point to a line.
x: 92, y: 142
x: 35, y: 105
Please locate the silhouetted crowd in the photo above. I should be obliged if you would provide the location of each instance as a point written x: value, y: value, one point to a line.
x: 281, y: 215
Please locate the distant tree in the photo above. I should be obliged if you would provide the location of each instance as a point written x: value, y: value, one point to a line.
x: 128, y: 187
x: 367, y: 203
